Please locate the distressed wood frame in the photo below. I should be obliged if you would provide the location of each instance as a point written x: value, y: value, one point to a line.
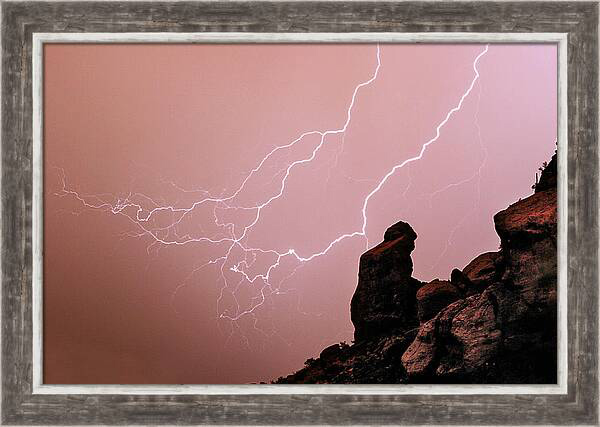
x: 559, y: 40
x: 20, y: 20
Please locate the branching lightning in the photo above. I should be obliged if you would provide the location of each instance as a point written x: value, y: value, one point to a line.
x: 231, y: 241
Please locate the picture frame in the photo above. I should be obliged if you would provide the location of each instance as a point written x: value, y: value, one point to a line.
x: 26, y: 25
x: 41, y: 39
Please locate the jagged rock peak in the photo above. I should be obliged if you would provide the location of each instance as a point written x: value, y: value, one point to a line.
x: 400, y: 229
x: 548, y: 178
x: 385, y: 297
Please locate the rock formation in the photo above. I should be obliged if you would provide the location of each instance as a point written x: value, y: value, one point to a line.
x: 384, y: 301
x: 493, y: 322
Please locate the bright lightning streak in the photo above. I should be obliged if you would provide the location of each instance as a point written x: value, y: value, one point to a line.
x: 363, y: 231
x: 142, y: 217
x: 477, y: 175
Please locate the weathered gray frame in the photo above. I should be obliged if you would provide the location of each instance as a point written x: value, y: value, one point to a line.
x: 40, y: 39
x: 20, y: 20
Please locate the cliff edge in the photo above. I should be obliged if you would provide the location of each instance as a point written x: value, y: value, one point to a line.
x: 493, y: 322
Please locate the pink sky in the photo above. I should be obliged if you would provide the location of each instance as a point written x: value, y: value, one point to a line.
x: 157, y: 125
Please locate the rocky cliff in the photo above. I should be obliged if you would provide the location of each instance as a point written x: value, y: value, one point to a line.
x: 494, y: 321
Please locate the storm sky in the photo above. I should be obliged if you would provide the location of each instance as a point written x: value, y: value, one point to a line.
x: 217, y: 293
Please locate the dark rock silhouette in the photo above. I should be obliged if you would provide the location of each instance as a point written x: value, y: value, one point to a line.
x: 549, y: 176
x: 434, y: 296
x: 493, y: 322
x: 483, y: 270
x: 384, y: 301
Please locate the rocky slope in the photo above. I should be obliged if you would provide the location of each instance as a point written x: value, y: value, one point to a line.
x: 494, y: 321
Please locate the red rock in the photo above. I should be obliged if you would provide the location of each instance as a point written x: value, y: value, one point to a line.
x: 434, y: 296
x: 483, y: 270
x: 522, y: 222
x: 419, y: 358
x: 503, y: 331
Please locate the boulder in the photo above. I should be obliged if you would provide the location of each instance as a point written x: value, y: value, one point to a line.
x: 420, y: 356
x: 434, y: 296
x: 484, y: 270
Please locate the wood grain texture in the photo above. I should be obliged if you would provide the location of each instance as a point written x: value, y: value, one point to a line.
x: 20, y: 20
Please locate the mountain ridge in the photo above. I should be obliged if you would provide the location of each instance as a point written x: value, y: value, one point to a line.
x: 492, y: 322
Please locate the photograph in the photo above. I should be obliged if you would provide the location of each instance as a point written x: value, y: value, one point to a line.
x: 300, y: 213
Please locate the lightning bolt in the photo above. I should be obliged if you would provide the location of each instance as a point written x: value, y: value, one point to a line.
x: 233, y: 236
x: 386, y: 177
x: 477, y: 175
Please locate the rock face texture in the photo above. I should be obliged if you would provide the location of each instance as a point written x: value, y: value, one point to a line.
x: 493, y: 322
x: 482, y: 270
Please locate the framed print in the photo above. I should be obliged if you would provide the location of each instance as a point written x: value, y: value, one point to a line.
x: 348, y: 212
